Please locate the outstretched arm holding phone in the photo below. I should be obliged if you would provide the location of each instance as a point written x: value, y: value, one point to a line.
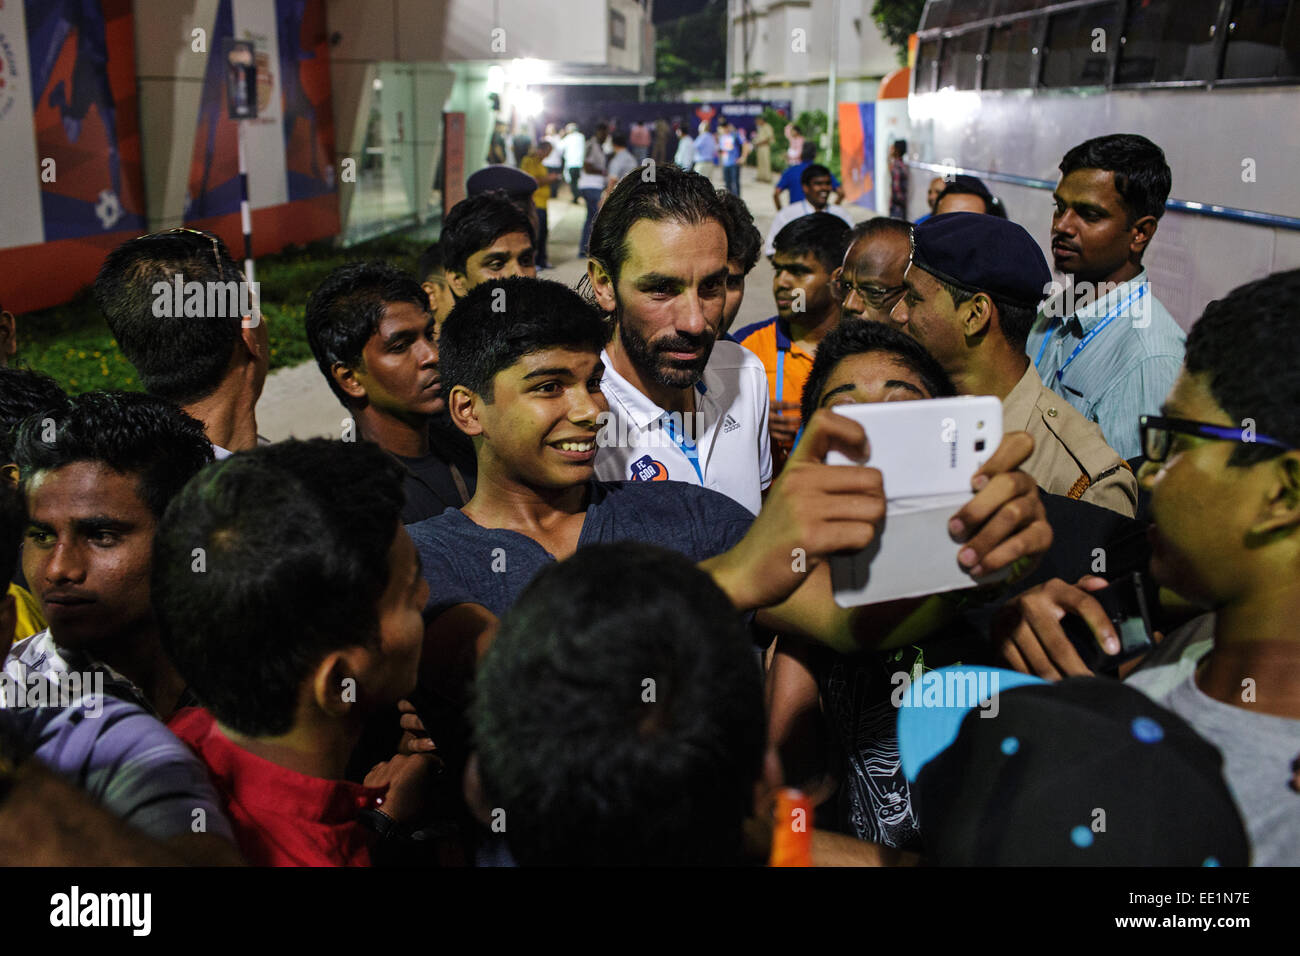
x: 814, y: 510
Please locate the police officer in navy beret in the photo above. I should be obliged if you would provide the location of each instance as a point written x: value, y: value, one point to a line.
x: 973, y: 286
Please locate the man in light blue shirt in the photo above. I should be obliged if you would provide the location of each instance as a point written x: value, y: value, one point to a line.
x: 1106, y: 344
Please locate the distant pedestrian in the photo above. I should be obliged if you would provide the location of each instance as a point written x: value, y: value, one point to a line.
x: 574, y: 148
x: 764, y: 136
x: 898, y: 178
x: 731, y: 149
x: 638, y: 141
x: 706, y: 151
x: 818, y: 184
x: 592, y: 181
x: 497, y: 144
x: 793, y: 153
x: 791, y: 180
x: 534, y: 164
x: 621, y: 161
x: 554, y: 160
x: 663, y: 145
x: 685, y: 156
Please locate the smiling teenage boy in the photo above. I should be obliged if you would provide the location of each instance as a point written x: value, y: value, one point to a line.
x: 526, y: 385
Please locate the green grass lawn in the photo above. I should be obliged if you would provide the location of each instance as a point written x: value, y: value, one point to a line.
x: 72, y: 342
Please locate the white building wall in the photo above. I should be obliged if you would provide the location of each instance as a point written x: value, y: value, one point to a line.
x: 787, y: 57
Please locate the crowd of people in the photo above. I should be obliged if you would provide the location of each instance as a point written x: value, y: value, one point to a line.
x: 561, y: 592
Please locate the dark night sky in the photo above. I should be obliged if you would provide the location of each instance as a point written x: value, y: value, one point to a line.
x: 666, y: 10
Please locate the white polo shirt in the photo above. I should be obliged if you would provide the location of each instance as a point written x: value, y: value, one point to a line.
x: 797, y: 210
x: 723, y: 445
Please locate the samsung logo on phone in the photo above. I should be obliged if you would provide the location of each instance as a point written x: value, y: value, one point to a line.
x: 949, y: 437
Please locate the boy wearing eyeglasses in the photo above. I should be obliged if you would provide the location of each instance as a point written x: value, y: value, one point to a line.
x: 1223, y: 469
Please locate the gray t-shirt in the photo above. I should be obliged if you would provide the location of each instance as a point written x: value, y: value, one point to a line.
x: 621, y: 163
x: 465, y: 563
x: 127, y: 761
x: 1259, y: 750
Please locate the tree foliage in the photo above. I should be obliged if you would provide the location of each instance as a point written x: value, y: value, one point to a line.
x: 898, y: 19
x: 690, y: 51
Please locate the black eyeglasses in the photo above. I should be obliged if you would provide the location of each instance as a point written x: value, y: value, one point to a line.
x: 875, y: 296
x: 1157, y: 435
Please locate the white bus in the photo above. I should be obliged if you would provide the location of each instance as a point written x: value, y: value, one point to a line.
x: 1002, y: 89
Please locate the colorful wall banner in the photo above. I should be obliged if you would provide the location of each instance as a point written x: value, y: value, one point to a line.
x: 70, y: 138
x: 857, y: 125
x: 69, y: 125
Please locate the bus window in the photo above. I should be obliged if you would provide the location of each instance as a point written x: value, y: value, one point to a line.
x: 1011, y: 55
x: 935, y: 15
x: 1167, y: 41
x: 1004, y: 8
x: 955, y: 13
x: 959, y: 63
x: 1079, y: 44
x: 1263, y: 40
x: 926, y: 54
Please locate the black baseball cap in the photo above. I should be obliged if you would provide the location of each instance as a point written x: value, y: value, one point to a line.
x: 1084, y: 772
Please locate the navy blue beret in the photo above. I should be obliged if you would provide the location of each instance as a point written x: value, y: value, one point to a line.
x: 983, y: 254
x: 514, y: 182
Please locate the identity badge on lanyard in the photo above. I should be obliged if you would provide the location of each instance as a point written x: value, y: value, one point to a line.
x: 1110, y: 317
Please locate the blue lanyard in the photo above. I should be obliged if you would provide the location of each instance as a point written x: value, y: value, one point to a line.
x: 1110, y: 317
x: 780, y: 373
x: 690, y: 450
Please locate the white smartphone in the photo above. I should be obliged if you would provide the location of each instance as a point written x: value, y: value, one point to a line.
x: 927, y: 452
x: 928, y: 447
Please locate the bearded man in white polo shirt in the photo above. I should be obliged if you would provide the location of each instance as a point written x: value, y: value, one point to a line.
x: 684, y: 403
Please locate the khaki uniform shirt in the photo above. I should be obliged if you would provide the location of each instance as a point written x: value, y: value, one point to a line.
x: 1070, y: 457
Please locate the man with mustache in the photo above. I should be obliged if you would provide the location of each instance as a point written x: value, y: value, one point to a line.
x: 871, y: 279
x: 376, y: 343
x: 98, y: 476
x: 809, y: 251
x: 1110, y: 349
x: 683, y: 405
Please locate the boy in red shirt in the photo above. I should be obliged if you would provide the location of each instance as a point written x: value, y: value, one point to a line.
x: 289, y: 596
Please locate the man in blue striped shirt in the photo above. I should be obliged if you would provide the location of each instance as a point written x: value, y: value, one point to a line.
x: 1106, y: 344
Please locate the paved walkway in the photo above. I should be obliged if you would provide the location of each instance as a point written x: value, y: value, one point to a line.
x: 297, y: 403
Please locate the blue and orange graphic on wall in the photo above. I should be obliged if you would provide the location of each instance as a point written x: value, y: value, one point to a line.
x: 857, y: 122
x: 86, y: 115
x: 301, y: 62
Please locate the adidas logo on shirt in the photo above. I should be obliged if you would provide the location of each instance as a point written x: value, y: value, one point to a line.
x: 729, y: 424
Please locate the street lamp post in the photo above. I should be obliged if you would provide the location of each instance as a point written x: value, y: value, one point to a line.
x: 830, y: 79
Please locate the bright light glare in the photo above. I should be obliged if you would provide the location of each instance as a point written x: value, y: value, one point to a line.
x: 945, y: 105
x: 528, y: 72
x: 527, y: 103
